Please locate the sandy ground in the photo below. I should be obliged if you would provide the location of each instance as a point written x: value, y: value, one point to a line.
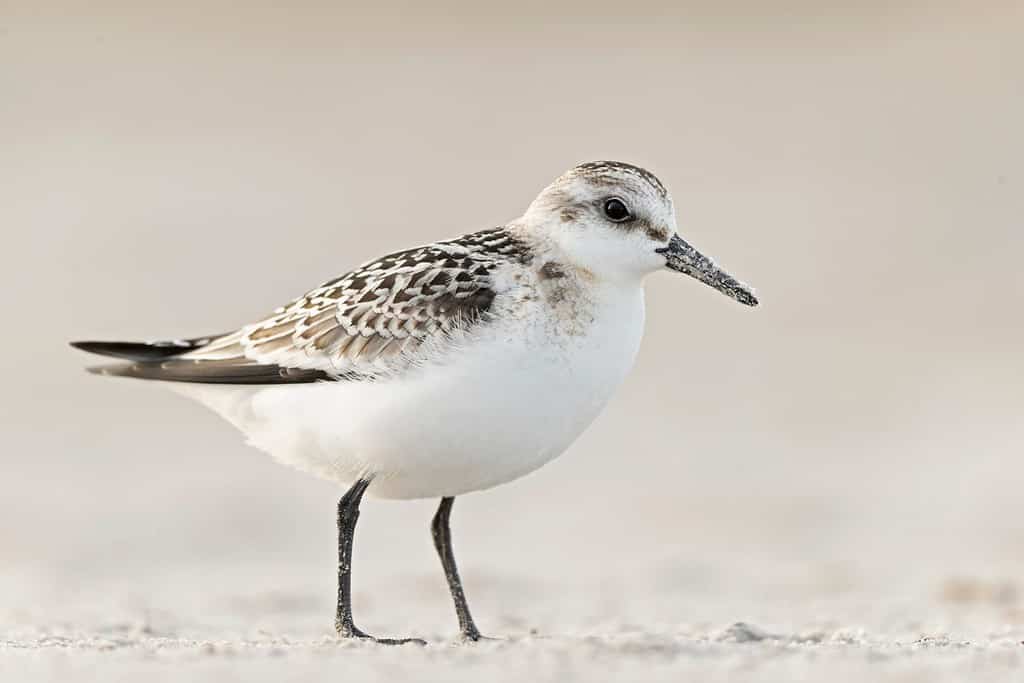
x: 638, y: 655
x: 840, y: 470
x: 651, y: 633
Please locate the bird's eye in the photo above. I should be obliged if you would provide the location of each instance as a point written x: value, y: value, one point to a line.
x: 615, y: 210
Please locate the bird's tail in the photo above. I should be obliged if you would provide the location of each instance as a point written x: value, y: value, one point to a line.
x: 144, y: 351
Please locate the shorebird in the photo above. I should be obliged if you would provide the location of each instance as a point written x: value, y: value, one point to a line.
x: 446, y: 368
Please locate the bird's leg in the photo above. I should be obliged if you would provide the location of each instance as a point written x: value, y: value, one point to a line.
x: 443, y: 542
x: 348, y: 514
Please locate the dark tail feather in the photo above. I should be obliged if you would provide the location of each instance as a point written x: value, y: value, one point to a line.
x: 211, y: 372
x: 161, y: 360
x: 144, y: 351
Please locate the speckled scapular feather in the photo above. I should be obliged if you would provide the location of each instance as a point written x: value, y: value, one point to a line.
x: 375, y: 319
x: 453, y: 366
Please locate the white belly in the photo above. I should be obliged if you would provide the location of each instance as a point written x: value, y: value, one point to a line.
x: 490, y: 412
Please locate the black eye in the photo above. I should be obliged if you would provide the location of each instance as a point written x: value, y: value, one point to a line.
x: 615, y: 210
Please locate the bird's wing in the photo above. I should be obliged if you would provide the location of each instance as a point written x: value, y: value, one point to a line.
x: 377, y: 320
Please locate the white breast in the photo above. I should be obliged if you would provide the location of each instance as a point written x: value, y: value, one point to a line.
x: 502, y: 405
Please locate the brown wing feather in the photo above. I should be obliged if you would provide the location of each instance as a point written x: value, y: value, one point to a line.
x: 369, y: 322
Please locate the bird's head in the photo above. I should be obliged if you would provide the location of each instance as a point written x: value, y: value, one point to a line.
x: 617, y: 221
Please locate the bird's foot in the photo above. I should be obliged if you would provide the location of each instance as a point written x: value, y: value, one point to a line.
x: 474, y: 636
x: 397, y: 641
x: 356, y: 633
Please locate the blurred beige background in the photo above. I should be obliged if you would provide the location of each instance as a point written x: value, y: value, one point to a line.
x: 846, y: 459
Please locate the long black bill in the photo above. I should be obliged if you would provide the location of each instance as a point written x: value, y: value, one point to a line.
x: 680, y: 256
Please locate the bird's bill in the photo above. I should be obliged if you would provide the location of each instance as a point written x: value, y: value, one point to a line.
x: 682, y: 257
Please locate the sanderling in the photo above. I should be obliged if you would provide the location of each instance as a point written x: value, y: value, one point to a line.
x: 451, y: 367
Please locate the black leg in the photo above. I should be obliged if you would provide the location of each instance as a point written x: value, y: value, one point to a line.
x: 348, y: 514
x: 443, y: 542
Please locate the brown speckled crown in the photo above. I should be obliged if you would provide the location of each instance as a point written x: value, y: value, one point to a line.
x: 608, y: 171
